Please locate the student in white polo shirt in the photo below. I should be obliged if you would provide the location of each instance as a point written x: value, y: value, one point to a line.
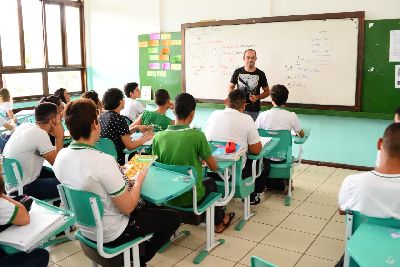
x: 376, y: 193
x: 30, y: 144
x: 278, y: 118
x: 133, y: 108
x: 231, y: 124
x: 81, y: 166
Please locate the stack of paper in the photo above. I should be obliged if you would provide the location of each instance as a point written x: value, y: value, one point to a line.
x: 43, y: 222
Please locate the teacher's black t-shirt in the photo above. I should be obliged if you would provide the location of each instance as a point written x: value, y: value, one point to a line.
x: 250, y: 83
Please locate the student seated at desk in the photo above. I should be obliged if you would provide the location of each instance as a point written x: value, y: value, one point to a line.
x: 6, y: 107
x: 92, y: 95
x: 83, y: 167
x: 396, y: 120
x: 133, y: 108
x: 277, y: 118
x: 181, y: 145
x: 4, y: 136
x: 30, y: 145
x: 376, y: 193
x: 231, y: 124
x: 63, y: 94
x: 157, y: 118
x: 14, y: 212
x: 115, y: 127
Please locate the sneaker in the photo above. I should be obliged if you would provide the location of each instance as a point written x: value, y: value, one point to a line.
x: 254, y: 199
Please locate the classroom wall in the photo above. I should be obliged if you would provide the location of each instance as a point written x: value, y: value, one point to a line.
x: 111, y: 29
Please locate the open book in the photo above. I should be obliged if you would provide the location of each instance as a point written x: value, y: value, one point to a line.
x: 265, y: 140
x: 136, y: 136
x: 43, y: 223
x: 137, y: 164
x: 218, y: 152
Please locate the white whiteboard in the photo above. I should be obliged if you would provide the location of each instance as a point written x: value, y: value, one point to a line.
x: 315, y: 59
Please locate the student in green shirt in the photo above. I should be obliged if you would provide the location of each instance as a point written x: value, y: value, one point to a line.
x: 181, y: 145
x: 157, y: 118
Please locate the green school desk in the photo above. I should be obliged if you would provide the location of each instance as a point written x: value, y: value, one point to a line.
x: 374, y: 245
x: 161, y: 185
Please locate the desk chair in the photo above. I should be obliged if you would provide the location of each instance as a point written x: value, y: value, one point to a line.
x: 258, y: 262
x: 207, y: 205
x: 368, y: 237
x: 88, y: 211
x: 281, y: 157
x: 107, y: 146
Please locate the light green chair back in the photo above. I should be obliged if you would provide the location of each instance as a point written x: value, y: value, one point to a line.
x: 359, y: 218
x: 107, y: 146
x: 79, y: 202
x: 13, y: 173
x: 280, y: 169
x: 258, y: 262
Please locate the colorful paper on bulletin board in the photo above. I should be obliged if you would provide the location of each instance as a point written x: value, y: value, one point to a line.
x: 177, y: 59
x: 166, y: 42
x: 151, y: 73
x: 175, y: 42
x: 154, y: 57
x: 161, y: 73
x: 166, y: 66
x: 165, y: 36
x: 154, y: 66
x: 154, y: 42
x: 152, y: 50
x: 164, y: 57
x: 176, y: 67
x: 143, y: 44
x: 155, y: 36
x: 165, y: 50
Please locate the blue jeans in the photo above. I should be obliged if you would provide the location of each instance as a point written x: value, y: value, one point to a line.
x: 253, y: 115
x: 44, y: 187
x: 36, y: 258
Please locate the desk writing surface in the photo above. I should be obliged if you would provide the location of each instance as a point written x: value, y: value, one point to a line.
x: 301, y: 140
x: 161, y: 185
x: 374, y: 245
x: 265, y: 149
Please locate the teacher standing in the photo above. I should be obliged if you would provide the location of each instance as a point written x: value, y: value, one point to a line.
x: 250, y: 79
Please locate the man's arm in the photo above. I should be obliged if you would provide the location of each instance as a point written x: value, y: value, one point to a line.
x: 231, y: 87
x: 211, y: 163
x: 58, y: 133
x: 264, y: 94
x: 22, y: 216
x: 256, y: 148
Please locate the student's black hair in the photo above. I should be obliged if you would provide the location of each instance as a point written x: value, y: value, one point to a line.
x: 391, y: 140
x: 250, y: 49
x: 111, y: 98
x: 60, y: 94
x: 129, y: 88
x: 44, y: 112
x: 279, y: 94
x: 51, y: 99
x: 161, y: 97
x: 79, y: 116
x: 91, y: 95
x: 397, y: 111
x: 236, y: 99
x: 184, y: 104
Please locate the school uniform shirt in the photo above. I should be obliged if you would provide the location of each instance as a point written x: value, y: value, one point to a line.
x: 28, y: 144
x: 114, y: 126
x: 85, y: 168
x: 181, y: 145
x: 232, y: 125
x: 250, y: 83
x: 132, y: 108
x: 371, y: 193
x: 4, y: 108
x: 278, y: 119
x: 8, y: 211
x: 160, y: 121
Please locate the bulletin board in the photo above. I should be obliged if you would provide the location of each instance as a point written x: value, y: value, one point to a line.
x: 160, y: 59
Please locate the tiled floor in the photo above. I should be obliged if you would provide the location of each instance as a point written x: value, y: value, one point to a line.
x: 308, y: 233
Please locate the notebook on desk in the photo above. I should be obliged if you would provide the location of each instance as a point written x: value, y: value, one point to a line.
x: 265, y: 140
x: 136, y: 136
x: 43, y: 222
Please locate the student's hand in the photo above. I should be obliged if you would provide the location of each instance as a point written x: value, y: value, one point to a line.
x: 58, y: 130
x: 143, y: 128
x: 148, y: 135
x: 141, y: 176
x: 253, y: 98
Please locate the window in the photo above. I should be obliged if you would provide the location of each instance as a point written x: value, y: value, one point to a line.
x: 41, y: 47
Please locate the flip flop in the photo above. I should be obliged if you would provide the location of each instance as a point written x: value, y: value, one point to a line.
x: 226, y: 225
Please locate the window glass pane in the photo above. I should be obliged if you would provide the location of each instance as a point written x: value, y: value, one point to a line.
x: 53, y: 28
x: 33, y: 33
x: 70, y: 80
x: 9, y: 33
x: 23, y: 84
x: 73, y: 35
